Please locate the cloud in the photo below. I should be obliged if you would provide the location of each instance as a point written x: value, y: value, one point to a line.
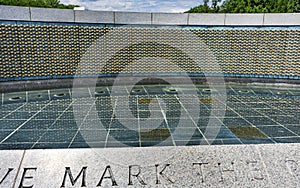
x: 136, y: 5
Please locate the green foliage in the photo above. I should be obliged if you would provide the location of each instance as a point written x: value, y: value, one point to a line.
x: 37, y: 3
x: 205, y: 8
x: 248, y: 6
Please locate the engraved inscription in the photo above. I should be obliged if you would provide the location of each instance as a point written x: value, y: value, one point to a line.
x: 25, y: 177
x: 5, y: 176
x: 73, y: 181
x: 136, y: 174
x: 292, y: 167
x: 255, y: 171
x: 162, y: 174
x: 110, y: 176
x: 227, y: 170
x: 201, y: 170
x: 206, y: 172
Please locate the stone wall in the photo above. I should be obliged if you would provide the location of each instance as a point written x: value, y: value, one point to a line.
x: 79, y: 16
x: 39, y: 43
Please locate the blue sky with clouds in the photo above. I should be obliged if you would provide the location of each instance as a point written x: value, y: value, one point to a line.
x: 136, y: 5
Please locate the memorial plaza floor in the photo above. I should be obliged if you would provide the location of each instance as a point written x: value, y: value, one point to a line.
x: 53, y: 119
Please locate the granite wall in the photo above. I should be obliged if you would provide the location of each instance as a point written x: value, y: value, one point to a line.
x: 43, y: 44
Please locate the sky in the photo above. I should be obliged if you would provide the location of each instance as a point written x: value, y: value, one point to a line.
x: 136, y: 5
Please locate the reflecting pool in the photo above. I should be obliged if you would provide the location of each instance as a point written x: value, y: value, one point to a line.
x: 149, y: 115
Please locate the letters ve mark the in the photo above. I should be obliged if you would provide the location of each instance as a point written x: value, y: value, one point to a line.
x: 5, y: 176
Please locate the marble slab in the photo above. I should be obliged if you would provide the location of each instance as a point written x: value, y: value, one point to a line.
x: 10, y: 162
x: 273, y: 165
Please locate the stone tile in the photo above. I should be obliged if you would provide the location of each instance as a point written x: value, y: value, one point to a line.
x: 247, y: 132
x: 41, y: 95
x: 10, y: 124
x: 276, y: 131
x: 169, y: 18
x: 87, y: 16
x: 282, y: 164
x: 282, y: 19
x: 52, y: 15
x: 24, y: 136
x: 294, y: 128
x: 15, y: 97
x: 244, y: 19
x: 132, y: 18
x: 14, y: 13
x: 60, y: 94
x: 79, y: 93
x: 206, y: 19
x: 257, y: 141
x: 287, y: 140
x: 15, y: 146
x: 51, y: 145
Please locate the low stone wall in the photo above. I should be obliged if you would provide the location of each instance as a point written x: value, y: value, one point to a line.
x: 79, y: 16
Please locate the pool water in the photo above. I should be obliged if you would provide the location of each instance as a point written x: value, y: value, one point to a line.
x: 54, y: 119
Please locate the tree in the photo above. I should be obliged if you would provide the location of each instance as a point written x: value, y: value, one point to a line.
x: 248, y: 6
x: 37, y: 3
x: 215, y: 6
x: 205, y: 8
x: 201, y: 8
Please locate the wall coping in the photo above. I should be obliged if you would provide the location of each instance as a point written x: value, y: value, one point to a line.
x: 18, y: 13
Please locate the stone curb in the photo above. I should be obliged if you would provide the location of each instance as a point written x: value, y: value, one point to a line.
x: 86, y: 16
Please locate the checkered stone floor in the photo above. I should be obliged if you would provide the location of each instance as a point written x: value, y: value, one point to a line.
x: 149, y: 115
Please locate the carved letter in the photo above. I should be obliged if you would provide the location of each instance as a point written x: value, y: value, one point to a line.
x: 255, y: 170
x: 227, y: 170
x: 292, y: 166
x: 111, y: 176
x: 162, y: 174
x: 201, y: 169
x: 26, y: 177
x: 68, y: 172
x: 136, y: 175
x: 5, y: 176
